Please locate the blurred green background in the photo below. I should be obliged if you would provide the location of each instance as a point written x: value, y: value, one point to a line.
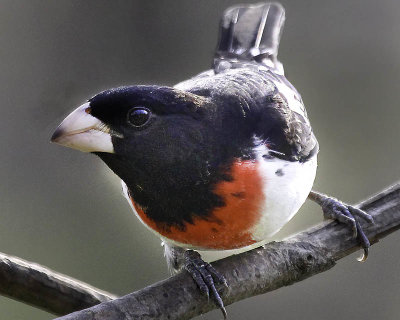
x: 64, y: 209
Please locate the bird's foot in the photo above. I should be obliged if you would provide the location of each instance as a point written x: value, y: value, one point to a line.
x: 206, y: 277
x: 344, y: 213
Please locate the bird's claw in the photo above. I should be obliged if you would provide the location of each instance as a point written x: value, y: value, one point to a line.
x: 337, y: 210
x: 206, y: 277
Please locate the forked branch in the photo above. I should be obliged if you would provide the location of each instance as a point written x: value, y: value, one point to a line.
x: 43, y: 288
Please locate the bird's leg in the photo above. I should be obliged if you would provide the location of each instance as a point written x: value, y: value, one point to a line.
x: 205, y: 277
x: 203, y: 273
x: 342, y: 212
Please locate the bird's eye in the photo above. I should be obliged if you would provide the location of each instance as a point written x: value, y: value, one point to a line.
x: 139, y: 116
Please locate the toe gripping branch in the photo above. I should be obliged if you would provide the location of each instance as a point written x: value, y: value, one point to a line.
x: 344, y: 213
x: 205, y: 277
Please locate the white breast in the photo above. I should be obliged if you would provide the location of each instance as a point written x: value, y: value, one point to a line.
x: 286, y: 187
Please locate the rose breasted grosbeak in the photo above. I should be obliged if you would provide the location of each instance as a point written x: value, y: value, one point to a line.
x: 220, y: 161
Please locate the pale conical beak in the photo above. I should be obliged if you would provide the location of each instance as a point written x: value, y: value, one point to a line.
x: 81, y: 131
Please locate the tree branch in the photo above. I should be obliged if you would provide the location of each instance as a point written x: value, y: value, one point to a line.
x: 251, y: 273
x: 255, y: 272
x: 43, y: 288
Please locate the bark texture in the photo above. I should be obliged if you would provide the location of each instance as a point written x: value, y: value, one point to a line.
x: 43, y: 288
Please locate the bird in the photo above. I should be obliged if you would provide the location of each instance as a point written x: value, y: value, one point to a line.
x: 220, y: 161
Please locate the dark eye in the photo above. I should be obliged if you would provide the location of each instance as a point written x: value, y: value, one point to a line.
x: 139, y: 116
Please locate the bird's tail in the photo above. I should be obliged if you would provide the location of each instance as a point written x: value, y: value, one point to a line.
x: 251, y: 32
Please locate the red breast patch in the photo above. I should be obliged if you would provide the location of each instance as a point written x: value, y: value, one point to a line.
x: 228, y: 227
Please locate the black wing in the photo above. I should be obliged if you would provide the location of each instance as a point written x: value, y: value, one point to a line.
x: 248, y: 85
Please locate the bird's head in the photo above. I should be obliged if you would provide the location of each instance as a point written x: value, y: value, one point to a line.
x: 139, y: 130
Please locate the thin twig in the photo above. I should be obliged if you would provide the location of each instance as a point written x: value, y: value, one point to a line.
x: 255, y: 272
x: 43, y: 288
